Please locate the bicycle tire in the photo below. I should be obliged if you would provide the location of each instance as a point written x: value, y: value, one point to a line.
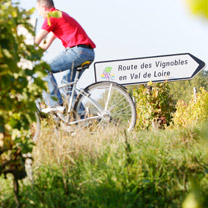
x: 113, y: 106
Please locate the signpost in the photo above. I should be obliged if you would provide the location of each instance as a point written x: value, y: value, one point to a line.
x: 142, y: 70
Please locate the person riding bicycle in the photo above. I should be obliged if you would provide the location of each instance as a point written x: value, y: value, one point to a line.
x: 78, y: 48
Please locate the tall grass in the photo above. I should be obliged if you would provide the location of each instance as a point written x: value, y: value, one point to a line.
x: 116, y: 169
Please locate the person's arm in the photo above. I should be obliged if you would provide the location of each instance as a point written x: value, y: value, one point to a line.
x: 45, y: 44
x: 42, y: 42
x: 40, y: 36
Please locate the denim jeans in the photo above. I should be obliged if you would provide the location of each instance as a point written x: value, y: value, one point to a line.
x: 69, y: 59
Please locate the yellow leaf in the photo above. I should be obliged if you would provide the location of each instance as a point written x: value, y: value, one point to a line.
x: 56, y: 14
x: 6, y: 53
x: 49, y: 22
x: 199, y: 7
x: 14, y: 13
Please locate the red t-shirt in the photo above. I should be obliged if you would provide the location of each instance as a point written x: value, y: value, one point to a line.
x: 68, y: 30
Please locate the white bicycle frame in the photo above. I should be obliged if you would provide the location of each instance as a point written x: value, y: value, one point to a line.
x: 66, y: 118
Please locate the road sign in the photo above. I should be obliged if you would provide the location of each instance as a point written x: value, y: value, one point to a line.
x: 142, y: 70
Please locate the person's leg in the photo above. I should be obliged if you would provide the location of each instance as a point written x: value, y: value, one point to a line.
x: 58, y: 64
x: 68, y: 59
x: 54, y: 97
x: 80, y: 55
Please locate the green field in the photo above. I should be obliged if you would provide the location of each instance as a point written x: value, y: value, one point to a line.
x: 161, y: 168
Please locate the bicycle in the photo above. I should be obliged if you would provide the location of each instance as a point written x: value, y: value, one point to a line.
x: 95, y: 106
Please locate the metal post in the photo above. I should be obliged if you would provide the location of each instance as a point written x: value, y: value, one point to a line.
x: 194, y: 89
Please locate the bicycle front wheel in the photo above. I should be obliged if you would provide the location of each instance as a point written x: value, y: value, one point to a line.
x: 105, y: 103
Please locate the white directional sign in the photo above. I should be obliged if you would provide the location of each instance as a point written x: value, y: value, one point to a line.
x: 155, y: 69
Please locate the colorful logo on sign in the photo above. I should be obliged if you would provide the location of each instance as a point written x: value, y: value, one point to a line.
x: 107, y: 74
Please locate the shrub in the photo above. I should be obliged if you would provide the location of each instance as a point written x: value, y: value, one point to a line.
x: 17, y: 90
x: 154, y: 106
x: 193, y: 112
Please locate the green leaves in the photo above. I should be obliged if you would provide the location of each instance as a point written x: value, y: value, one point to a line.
x: 154, y: 106
x: 183, y: 90
x: 20, y: 86
x: 193, y: 112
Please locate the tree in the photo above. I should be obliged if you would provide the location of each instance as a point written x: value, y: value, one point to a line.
x: 19, y: 89
x: 183, y: 90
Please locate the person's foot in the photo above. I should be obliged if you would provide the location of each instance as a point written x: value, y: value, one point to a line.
x: 58, y: 108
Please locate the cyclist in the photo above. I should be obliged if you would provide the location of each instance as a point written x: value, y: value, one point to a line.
x: 78, y: 49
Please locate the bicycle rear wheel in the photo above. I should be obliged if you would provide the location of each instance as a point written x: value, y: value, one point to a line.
x: 105, y: 103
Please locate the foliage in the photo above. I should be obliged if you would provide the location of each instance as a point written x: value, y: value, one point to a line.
x: 183, y: 90
x: 19, y: 88
x: 141, y: 169
x: 154, y: 105
x: 55, y: 14
x: 193, y: 112
x: 199, y: 7
x: 197, y: 198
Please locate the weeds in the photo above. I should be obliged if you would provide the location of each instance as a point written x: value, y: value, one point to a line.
x: 116, y: 169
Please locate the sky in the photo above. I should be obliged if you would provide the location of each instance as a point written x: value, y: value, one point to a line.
x: 132, y: 29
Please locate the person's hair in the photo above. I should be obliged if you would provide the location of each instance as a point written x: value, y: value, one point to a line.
x: 46, y: 3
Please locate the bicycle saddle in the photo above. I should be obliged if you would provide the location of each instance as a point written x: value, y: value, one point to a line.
x: 84, y: 65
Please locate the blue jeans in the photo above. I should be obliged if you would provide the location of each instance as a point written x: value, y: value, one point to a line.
x: 69, y: 59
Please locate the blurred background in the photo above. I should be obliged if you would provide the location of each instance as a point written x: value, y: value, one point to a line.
x: 133, y: 29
